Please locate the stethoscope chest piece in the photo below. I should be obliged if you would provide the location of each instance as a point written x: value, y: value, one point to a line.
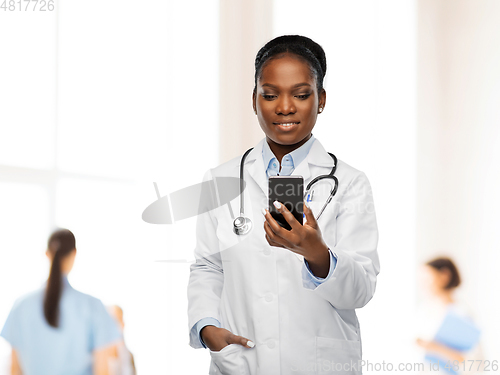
x: 242, y: 225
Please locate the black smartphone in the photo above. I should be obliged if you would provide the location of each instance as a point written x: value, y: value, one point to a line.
x: 288, y: 190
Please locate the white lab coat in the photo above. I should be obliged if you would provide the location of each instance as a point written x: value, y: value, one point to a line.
x: 260, y: 292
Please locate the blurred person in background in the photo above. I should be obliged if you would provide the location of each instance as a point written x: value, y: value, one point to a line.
x: 122, y: 361
x: 57, y: 330
x: 446, y: 329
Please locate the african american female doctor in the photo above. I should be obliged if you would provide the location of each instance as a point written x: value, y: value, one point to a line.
x: 276, y: 301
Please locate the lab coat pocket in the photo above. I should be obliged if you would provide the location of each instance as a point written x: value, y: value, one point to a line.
x: 338, y: 356
x: 229, y: 360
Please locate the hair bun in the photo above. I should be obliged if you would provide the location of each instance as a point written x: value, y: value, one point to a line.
x: 297, y: 44
x: 299, y: 40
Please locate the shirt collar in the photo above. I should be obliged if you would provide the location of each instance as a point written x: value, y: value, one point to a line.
x: 289, y: 161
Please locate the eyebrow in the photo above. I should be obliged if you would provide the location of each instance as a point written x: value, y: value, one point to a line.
x: 294, y: 86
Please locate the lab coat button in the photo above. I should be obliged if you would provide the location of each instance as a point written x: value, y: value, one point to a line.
x: 271, y: 344
x: 267, y: 251
x: 269, y: 297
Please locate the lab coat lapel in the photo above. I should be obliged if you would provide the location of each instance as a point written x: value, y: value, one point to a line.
x: 317, y: 156
x: 302, y: 170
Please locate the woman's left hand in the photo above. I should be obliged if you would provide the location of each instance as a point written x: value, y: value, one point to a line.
x: 447, y: 352
x: 305, y: 240
x: 426, y: 344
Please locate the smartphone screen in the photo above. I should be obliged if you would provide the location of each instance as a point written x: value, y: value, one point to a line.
x: 288, y: 190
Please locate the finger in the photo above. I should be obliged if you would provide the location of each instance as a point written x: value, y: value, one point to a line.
x: 270, y: 236
x: 267, y: 215
x: 273, y: 243
x: 287, y: 215
x: 273, y: 224
x: 276, y: 232
x: 242, y: 341
x: 311, y: 220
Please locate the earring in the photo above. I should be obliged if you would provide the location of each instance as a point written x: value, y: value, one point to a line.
x: 320, y: 109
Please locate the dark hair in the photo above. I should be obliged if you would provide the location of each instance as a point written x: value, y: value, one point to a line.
x: 447, y: 264
x: 301, y: 46
x: 60, y: 244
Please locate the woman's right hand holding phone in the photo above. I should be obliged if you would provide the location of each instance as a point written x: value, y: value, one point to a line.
x: 218, y: 338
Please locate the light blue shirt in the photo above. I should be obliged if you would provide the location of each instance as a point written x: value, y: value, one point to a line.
x: 273, y: 168
x: 288, y: 162
x: 84, y: 325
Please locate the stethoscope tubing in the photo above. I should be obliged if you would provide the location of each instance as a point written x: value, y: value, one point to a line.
x: 242, y: 182
x: 319, y: 178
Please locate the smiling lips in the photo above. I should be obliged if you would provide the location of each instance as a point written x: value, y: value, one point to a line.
x: 285, y: 125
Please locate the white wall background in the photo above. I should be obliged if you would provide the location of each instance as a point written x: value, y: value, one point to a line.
x: 459, y: 139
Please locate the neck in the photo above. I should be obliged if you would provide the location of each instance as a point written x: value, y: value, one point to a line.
x: 446, y: 296
x: 281, y: 150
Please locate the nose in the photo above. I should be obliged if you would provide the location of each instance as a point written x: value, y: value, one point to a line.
x: 285, y: 105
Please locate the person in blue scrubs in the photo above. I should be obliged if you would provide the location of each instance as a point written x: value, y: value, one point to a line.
x: 57, y: 330
x: 448, y: 333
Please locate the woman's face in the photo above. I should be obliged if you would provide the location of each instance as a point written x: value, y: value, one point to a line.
x: 434, y: 280
x: 287, y: 100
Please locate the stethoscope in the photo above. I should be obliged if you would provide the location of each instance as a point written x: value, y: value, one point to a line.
x: 242, y: 225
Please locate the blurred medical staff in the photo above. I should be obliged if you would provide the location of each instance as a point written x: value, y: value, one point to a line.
x: 446, y: 329
x: 57, y: 330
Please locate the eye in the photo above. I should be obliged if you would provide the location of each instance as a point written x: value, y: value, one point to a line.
x: 268, y: 97
x: 303, y: 96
